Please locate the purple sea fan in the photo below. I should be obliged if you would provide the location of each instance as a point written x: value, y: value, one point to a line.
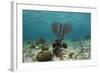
x: 61, y: 29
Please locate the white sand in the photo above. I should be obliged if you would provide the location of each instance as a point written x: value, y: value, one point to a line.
x: 73, y: 47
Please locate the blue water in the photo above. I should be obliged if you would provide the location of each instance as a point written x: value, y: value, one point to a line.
x: 38, y: 24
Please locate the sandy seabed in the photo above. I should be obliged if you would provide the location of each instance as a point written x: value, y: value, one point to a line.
x: 80, y: 50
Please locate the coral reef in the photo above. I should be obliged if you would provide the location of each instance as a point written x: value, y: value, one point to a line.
x: 60, y: 49
x: 77, y: 50
x: 40, y: 40
x: 32, y: 46
x: 60, y: 29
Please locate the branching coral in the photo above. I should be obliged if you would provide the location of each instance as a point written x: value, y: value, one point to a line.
x: 60, y: 29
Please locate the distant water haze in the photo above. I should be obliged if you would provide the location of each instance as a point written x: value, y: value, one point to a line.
x: 37, y: 23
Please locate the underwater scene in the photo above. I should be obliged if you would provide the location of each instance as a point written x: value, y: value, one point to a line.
x: 56, y: 36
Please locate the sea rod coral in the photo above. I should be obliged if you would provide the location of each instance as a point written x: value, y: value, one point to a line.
x: 59, y: 30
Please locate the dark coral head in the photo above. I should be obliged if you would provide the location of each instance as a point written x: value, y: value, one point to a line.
x: 64, y: 45
x: 40, y: 40
x: 56, y: 44
x: 32, y: 46
x: 71, y: 54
